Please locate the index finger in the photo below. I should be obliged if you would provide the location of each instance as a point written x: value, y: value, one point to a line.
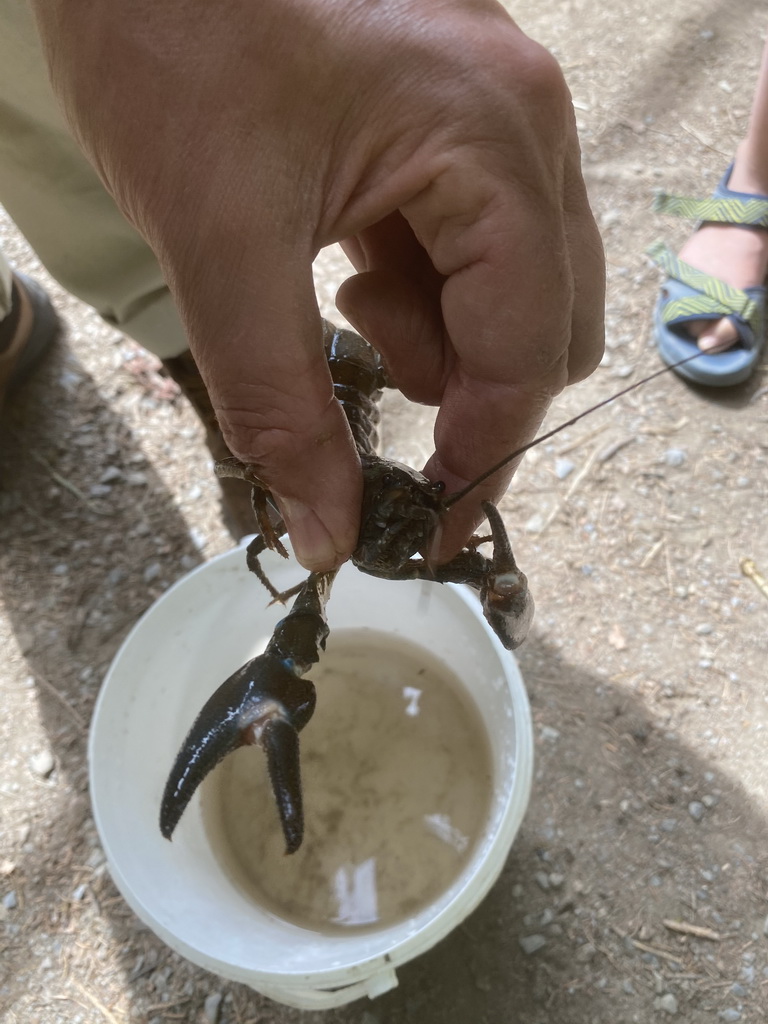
x: 523, y: 316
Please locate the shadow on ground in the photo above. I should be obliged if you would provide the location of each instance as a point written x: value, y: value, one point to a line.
x: 79, y: 566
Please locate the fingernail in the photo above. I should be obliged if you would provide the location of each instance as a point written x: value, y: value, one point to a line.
x: 707, y: 342
x: 312, y: 543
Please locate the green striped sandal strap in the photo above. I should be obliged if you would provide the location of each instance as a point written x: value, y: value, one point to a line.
x: 714, y: 298
x: 744, y: 212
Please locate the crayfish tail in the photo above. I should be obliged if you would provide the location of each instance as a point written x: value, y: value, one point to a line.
x: 281, y: 744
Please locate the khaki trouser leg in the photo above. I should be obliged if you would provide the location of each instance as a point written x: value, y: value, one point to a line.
x: 59, y: 204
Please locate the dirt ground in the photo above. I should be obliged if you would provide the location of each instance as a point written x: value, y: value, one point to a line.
x: 643, y: 666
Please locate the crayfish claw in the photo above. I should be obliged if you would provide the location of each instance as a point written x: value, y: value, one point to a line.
x: 263, y: 703
x: 507, y: 602
x: 280, y: 741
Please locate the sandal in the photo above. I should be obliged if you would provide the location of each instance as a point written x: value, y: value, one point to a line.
x: 690, y: 294
x: 20, y: 349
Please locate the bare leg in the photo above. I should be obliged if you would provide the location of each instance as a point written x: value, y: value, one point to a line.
x: 736, y: 255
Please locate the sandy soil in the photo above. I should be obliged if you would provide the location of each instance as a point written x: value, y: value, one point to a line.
x: 643, y: 666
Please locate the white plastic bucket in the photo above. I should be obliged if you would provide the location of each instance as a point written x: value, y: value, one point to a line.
x: 200, y: 631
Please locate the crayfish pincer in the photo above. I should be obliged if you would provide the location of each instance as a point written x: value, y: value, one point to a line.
x: 268, y: 701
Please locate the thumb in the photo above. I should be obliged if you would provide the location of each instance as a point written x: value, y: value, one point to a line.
x: 260, y: 352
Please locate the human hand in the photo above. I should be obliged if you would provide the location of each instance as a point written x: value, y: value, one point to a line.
x: 433, y: 139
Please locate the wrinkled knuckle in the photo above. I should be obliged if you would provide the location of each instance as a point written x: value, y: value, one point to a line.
x: 252, y: 440
x: 540, y: 76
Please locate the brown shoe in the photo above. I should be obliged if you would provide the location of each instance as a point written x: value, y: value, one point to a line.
x: 237, y: 510
x: 25, y: 333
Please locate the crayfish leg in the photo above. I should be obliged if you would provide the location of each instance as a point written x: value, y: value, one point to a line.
x: 271, y: 525
x: 257, y: 546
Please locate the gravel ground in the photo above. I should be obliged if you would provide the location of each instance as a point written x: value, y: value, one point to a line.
x: 638, y: 887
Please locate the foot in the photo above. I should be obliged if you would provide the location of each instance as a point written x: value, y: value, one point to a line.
x: 736, y: 255
x: 25, y: 333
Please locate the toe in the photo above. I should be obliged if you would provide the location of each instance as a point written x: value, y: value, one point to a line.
x: 715, y: 336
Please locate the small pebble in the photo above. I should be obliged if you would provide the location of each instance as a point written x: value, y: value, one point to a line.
x: 585, y: 953
x: 730, y: 1015
x: 675, y: 457
x: 9, y: 901
x: 542, y: 879
x: 110, y: 475
x: 532, y: 943
x: 667, y: 1003
x: 669, y: 825
x: 212, y: 1007
x: 564, y: 468
x: 556, y: 880
x: 696, y: 810
x: 610, y: 217
x: 151, y: 572
x: 198, y: 538
x: 42, y: 763
x: 548, y: 733
x: 535, y: 524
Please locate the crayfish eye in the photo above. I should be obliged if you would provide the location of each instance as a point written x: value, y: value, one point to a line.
x: 388, y: 480
x: 438, y: 487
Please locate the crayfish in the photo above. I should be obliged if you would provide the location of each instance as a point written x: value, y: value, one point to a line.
x: 268, y: 701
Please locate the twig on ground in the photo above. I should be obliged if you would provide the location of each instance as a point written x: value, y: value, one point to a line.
x: 697, y: 930
x: 749, y: 569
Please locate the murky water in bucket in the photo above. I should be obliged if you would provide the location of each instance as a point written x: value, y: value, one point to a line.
x: 397, y: 775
